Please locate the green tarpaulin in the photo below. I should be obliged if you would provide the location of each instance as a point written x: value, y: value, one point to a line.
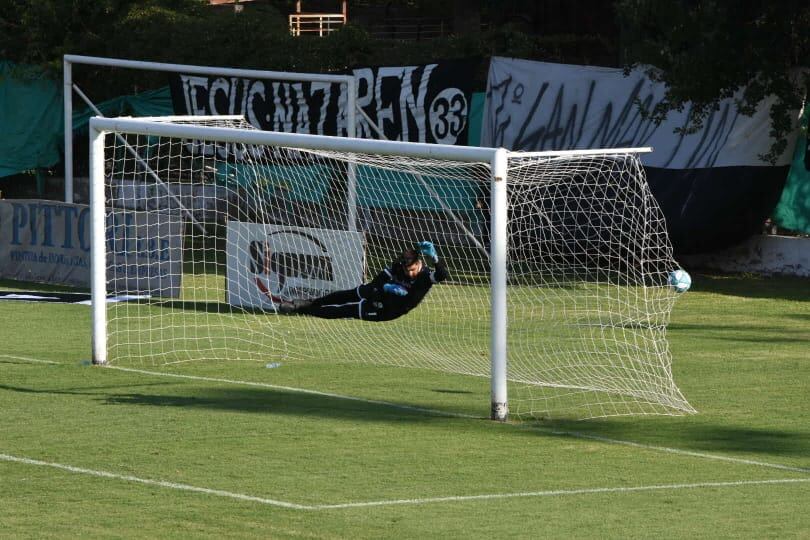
x: 150, y: 103
x: 30, y: 119
x: 793, y: 210
x: 31, y: 116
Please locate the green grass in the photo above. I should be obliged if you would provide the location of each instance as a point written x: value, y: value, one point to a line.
x: 740, y: 346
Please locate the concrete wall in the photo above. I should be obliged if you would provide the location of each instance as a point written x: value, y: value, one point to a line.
x: 786, y: 255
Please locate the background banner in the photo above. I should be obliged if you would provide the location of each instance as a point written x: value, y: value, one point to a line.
x: 428, y: 103
x: 425, y: 103
x: 49, y: 242
x: 712, y: 186
x: 292, y: 107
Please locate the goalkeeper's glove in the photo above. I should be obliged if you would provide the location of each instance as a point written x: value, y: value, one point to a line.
x: 393, y: 288
x: 428, y: 250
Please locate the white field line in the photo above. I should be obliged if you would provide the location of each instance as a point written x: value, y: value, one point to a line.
x: 676, y: 451
x: 159, y: 483
x: 563, y: 492
x: 433, y: 412
x: 425, y: 500
x: 27, y: 359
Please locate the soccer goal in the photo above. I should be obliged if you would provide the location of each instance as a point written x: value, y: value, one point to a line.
x: 558, y: 261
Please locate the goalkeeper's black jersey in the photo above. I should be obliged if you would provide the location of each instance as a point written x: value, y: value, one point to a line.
x: 395, y: 306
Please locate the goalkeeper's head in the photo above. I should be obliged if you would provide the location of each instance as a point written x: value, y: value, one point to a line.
x: 408, y: 265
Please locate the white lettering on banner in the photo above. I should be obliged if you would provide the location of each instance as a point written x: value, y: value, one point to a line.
x: 302, y: 114
x: 536, y: 106
x: 256, y: 89
x: 414, y: 104
x: 268, y: 265
x: 219, y: 85
x: 385, y: 111
x: 424, y: 103
x: 190, y: 85
x: 281, y: 113
x: 325, y: 90
x: 364, y: 81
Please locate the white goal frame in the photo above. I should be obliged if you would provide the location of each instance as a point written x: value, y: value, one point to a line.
x: 496, y: 157
x: 69, y: 87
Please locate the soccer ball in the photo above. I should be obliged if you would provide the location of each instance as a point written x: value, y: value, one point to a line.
x: 680, y: 280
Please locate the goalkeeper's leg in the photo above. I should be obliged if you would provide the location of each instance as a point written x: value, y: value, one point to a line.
x: 361, y: 292
x: 345, y: 310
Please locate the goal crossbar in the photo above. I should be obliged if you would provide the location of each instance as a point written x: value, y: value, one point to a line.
x: 140, y: 126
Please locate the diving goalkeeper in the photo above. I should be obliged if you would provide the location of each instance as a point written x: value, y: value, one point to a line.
x: 395, y: 291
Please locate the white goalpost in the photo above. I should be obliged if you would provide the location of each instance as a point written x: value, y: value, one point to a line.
x: 558, y: 261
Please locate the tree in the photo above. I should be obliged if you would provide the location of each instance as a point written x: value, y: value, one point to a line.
x: 705, y: 51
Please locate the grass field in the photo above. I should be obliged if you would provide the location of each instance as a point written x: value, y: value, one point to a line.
x: 314, y: 449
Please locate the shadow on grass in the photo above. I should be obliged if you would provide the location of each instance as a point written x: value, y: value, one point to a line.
x: 203, y: 306
x: 705, y: 437
x: 82, y: 391
x: 754, y: 286
x: 741, y: 332
x: 251, y: 400
x: 701, y: 438
x: 280, y: 402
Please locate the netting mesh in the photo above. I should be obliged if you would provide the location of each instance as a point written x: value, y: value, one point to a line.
x: 224, y: 234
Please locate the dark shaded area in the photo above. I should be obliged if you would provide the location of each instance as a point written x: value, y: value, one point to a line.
x: 275, y: 401
x: 743, y: 333
x: 76, y: 391
x: 247, y: 400
x: 715, y: 208
x: 690, y: 437
x: 751, y: 286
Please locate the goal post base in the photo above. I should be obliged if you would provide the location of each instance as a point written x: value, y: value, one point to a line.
x: 499, y: 411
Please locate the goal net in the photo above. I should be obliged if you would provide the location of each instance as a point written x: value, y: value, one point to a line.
x: 214, y: 229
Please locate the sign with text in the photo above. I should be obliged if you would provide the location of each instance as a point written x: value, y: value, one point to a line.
x: 535, y: 106
x: 49, y: 242
x: 268, y: 265
x: 424, y: 103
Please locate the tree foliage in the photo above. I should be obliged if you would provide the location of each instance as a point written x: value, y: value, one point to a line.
x: 39, y: 32
x: 707, y: 50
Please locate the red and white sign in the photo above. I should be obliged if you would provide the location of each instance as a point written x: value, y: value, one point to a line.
x: 270, y: 265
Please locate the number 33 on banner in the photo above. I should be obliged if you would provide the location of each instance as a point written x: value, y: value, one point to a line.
x: 448, y: 115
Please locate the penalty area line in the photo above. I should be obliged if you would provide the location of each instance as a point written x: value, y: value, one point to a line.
x: 676, y: 451
x: 28, y: 359
x: 393, y: 502
x: 434, y: 412
x: 563, y: 492
x: 148, y: 482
